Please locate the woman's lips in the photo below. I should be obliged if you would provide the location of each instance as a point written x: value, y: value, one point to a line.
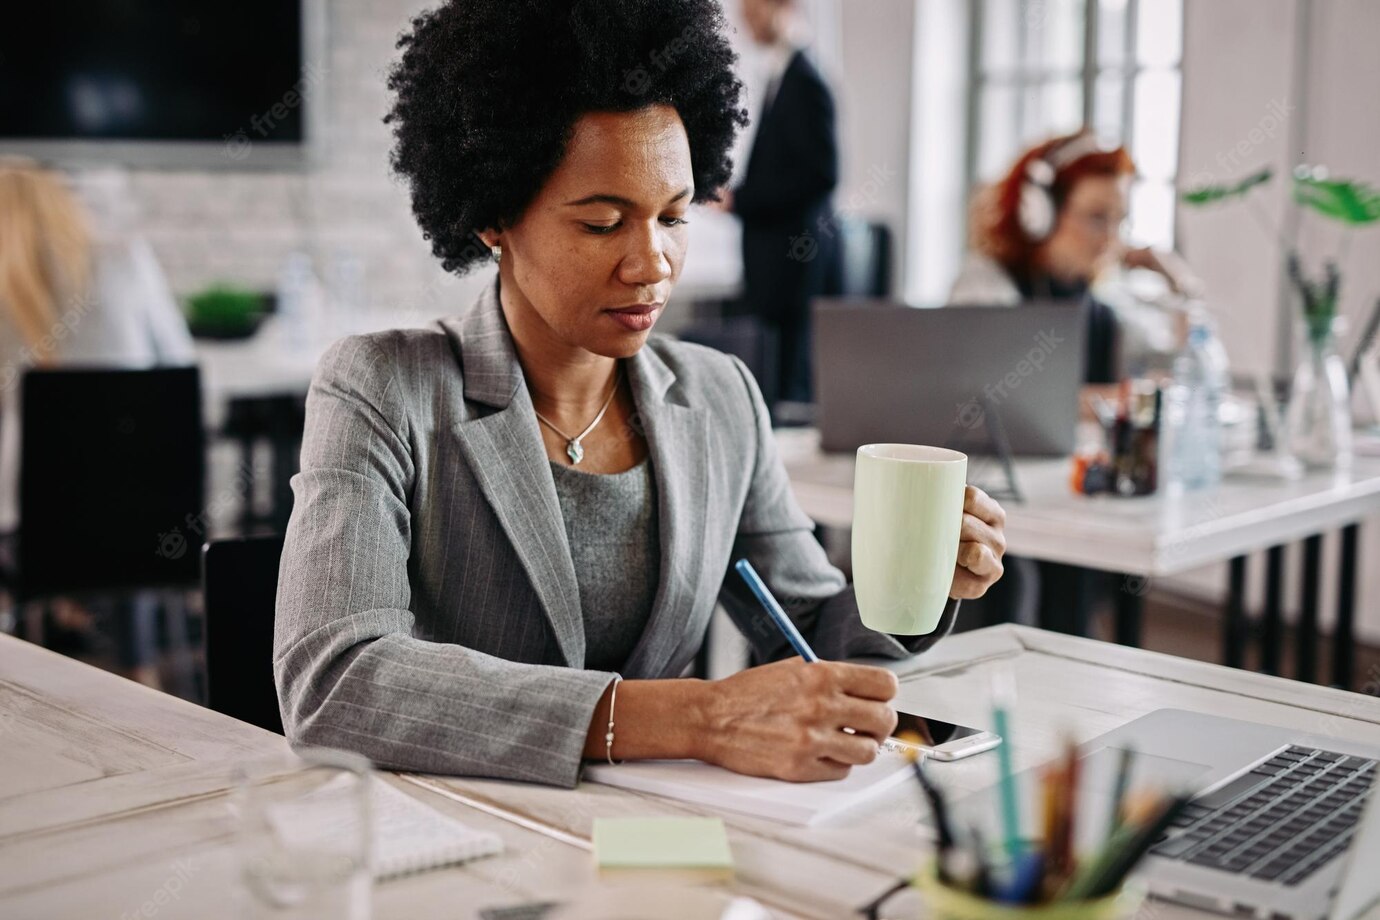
x: 636, y: 319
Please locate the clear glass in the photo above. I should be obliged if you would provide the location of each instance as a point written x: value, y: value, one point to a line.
x: 1318, y: 418
x: 303, y: 837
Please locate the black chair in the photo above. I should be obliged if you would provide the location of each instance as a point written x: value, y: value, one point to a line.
x: 240, y: 582
x: 112, y: 481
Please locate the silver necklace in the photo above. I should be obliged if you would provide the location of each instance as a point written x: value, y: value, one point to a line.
x: 573, y: 448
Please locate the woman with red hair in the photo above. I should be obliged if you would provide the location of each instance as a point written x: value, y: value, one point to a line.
x: 1049, y: 228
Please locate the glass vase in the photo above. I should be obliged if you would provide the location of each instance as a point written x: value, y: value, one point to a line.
x: 1319, y: 414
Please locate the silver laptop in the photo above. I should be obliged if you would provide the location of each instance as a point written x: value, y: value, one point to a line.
x: 1279, y: 828
x: 886, y: 372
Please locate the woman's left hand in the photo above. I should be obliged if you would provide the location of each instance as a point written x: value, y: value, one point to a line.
x: 981, y: 544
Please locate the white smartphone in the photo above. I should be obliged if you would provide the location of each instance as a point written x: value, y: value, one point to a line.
x: 944, y: 740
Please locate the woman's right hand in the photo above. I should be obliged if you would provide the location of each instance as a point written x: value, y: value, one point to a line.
x: 786, y: 720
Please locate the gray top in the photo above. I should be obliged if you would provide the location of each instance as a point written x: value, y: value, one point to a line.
x: 611, y: 525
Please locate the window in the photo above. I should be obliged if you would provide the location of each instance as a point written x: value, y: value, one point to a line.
x: 1045, y: 67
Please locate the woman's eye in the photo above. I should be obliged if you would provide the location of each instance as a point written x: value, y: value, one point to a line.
x: 674, y: 221
x: 600, y: 229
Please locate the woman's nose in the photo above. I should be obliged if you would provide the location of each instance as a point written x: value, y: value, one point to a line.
x: 648, y: 258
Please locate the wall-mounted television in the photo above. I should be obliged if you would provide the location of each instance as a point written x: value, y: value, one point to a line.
x: 232, y: 84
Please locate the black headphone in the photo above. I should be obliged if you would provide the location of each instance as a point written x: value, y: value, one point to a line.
x: 1037, y: 211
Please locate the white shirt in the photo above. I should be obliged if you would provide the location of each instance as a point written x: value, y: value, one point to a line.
x: 131, y: 319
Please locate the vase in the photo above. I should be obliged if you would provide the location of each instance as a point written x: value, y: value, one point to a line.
x: 1318, y: 423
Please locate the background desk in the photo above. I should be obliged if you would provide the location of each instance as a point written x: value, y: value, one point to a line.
x: 1143, y: 538
x: 109, y: 791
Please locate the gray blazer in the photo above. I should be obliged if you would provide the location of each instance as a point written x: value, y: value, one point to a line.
x: 428, y: 612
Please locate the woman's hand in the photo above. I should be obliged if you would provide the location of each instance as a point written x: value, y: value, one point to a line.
x: 786, y: 720
x: 1169, y: 264
x: 981, y: 544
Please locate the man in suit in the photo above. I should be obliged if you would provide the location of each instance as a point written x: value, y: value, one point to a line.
x: 790, y: 246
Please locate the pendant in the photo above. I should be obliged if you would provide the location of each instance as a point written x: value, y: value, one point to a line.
x: 575, y: 451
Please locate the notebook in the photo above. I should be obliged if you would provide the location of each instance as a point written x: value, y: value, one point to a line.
x: 662, y: 849
x: 791, y: 803
x: 408, y: 835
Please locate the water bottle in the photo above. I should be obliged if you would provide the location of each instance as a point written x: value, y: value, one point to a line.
x: 1200, y: 383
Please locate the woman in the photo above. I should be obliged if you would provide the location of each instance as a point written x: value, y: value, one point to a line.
x: 75, y: 289
x: 1049, y: 229
x: 498, y: 519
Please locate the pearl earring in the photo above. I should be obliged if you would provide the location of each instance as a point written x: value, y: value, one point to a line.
x: 497, y: 252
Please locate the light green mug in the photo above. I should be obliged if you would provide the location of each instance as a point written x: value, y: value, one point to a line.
x: 907, y: 516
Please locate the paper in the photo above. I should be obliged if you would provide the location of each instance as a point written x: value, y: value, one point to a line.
x: 793, y: 803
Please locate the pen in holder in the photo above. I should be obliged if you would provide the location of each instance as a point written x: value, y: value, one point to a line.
x: 944, y: 901
x: 1044, y: 876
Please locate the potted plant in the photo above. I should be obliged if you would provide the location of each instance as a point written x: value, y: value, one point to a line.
x: 1318, y: 419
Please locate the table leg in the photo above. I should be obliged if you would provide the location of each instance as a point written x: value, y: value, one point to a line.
x: 1306, y: 643
x: 1343, y: 641
x: 1272, y: 632
x: 1130, y: 607
x: 1064, y: 598
x: 1234, y: 635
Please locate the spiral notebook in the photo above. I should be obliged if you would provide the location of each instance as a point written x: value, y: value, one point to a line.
x: 408, y: 835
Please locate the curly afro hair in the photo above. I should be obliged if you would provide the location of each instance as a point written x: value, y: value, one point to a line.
x: 487, y: 93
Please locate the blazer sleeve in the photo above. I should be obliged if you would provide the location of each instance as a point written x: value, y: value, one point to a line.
x: 349, y: 671
x: 810, y: 169
x: 778, y: 539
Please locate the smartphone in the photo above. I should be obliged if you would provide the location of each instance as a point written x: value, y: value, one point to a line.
x: 943, y: 740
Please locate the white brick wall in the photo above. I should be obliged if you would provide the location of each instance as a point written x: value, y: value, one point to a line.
x: 237, y: 225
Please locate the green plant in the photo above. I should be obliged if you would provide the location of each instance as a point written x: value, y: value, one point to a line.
x: 1348, y: 202
x: 224, y: 306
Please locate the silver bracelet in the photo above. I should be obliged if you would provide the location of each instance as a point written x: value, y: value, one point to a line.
x: 608, y: 737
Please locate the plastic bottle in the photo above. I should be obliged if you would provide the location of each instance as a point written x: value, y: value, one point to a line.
x: 1194, y: 426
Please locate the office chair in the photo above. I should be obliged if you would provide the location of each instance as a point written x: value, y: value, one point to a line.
x: 240, y: 583
x: 112, y: 469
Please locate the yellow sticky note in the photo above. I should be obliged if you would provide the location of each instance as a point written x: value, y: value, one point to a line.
x: 695, y: 848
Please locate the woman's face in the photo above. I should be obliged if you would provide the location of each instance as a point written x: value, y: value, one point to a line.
x: 1088, y: 228
x: 606, y: 231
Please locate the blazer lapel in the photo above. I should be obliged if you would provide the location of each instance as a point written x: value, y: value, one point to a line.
x: 677, y: 436
x: 504, y: 450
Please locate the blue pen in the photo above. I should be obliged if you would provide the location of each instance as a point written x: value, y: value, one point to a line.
x: 783, y: 622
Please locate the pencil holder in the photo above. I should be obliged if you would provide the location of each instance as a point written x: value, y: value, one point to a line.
x: 944, y: 902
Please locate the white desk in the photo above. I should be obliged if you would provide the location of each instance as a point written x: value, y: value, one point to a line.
x: 1143, y: 538
x: 110, y: 791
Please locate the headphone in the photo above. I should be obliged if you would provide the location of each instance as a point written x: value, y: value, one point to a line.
x: 1037, y: 211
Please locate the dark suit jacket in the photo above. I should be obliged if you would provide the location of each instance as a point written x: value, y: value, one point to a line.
x: 790, y: 249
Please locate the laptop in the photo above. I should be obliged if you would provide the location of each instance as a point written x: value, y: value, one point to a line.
x: 886, y: 372
x: 1284, y: 825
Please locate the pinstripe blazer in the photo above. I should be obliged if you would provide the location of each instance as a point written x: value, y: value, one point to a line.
x: 428, y: 611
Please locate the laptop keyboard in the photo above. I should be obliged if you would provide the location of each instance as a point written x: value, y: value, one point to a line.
x: 1284, y: 820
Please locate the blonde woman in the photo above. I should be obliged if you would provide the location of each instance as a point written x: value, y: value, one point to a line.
x: 73, y: 290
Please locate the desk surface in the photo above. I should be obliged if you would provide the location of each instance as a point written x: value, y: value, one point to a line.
x: 111, y: 793
x: 1149, y: 536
